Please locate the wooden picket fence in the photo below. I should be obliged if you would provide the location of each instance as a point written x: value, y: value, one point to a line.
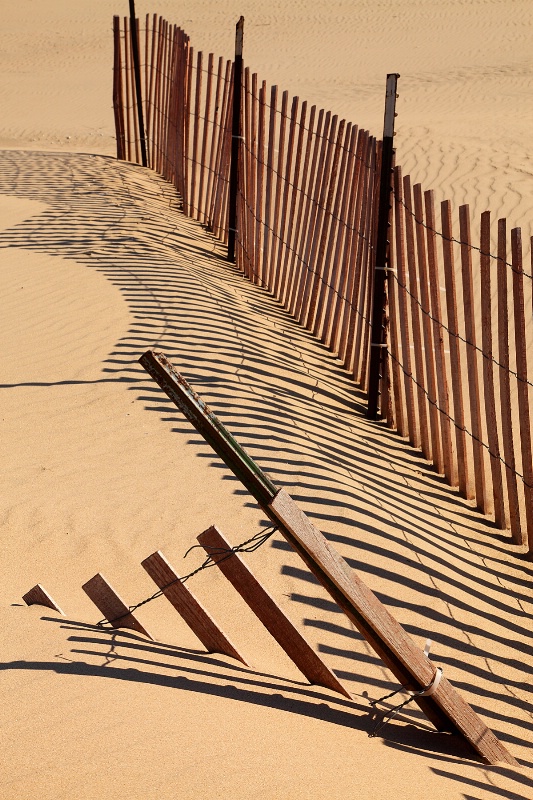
x: 455, y: 370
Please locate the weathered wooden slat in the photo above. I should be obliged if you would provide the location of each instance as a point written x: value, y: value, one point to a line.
x: 438, y: 332
x: 463, y: 470
x: 488, y: 372
x: 268, y: 612
x: 445, y: 707
x: 521, y: 378
x: 436, y: 453
x: 420, y: 388
x: 517, y: 533
x: 38, y: 596
x: 111, y: 605
x: 471, y: 353
x: 403, y: 317
x: 188, y: 606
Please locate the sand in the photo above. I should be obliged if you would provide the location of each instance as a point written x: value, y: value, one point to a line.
x: 100, y: 470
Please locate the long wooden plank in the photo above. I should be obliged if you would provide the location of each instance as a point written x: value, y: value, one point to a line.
x: 268, y: 612
x: 382, y: 631
x: 444, y: 707
x: 38, y: 596
x: 111, y: 605
x: 188, y: 606
x: 285, y: 220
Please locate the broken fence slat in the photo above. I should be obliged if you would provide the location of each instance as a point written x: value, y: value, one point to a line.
x: 108, y: 602
x: 268, y: 612
x: 188, y: 607
x: 38, y: 596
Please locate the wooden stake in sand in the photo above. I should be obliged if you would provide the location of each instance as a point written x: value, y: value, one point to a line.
x: 446, y: 709
x: 268, y: 612
x: 111, y: 605
x: 38, y: 596
x: 188, y: 607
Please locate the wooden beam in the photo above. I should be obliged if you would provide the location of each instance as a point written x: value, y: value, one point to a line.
x: 111, y: 605
x: 268, y: 612
x: 445, y: 707
x: 38, y: 596
x: 188, y: 607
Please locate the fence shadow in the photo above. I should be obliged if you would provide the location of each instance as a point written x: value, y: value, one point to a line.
x: 440, y: 566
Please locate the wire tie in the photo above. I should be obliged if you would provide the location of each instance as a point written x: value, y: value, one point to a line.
x: 376, y: 344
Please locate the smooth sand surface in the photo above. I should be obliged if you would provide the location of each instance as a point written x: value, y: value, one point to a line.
x: 100, y: 470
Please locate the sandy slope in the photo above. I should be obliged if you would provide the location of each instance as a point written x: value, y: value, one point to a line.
x: 97, y: 266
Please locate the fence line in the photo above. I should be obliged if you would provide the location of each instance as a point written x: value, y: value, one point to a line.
x: 455, y: 380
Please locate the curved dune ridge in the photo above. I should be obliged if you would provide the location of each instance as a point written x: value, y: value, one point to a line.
x: 100, y: 469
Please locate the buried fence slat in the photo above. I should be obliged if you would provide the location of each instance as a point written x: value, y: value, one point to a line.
x: 268, y: 612
x: 188, y: 607
x: 444, y: 706
x: 38, y: 596
x: 113, y: 607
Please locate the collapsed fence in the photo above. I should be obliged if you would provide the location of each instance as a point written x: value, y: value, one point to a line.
x: 457, y: 348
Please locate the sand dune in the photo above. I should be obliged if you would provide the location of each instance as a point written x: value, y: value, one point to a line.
x: 101, y: 470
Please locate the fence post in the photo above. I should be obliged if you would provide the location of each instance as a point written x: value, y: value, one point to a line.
x: 137, y: 72
x: 378, y: 338
x: 235, y: 138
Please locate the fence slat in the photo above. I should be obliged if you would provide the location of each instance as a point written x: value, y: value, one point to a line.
x: 403, y: 316
x: 471, y: 356
x: 518, y: 534
x: 463, y: 471
x: 281, y: 180
x: 286, y: 217
x: 521, y: 378
x: 189, y: 607
x: 488, y: 373
x: 425, y: 305
x: 415, y: 318
x: 270, y: 180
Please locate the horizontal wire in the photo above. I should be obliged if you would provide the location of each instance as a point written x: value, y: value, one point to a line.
x: 458, y: 241
x: 459, y: 427
x: 458, y: 335
x: 249, y: 546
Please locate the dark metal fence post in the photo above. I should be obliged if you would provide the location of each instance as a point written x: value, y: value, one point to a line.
x: 235, y: 139
x: 137, y: 71
x: 378, y: 341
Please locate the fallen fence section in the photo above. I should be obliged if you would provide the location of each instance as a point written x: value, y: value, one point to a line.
x: 441, y: 703
x: 302, y: 222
